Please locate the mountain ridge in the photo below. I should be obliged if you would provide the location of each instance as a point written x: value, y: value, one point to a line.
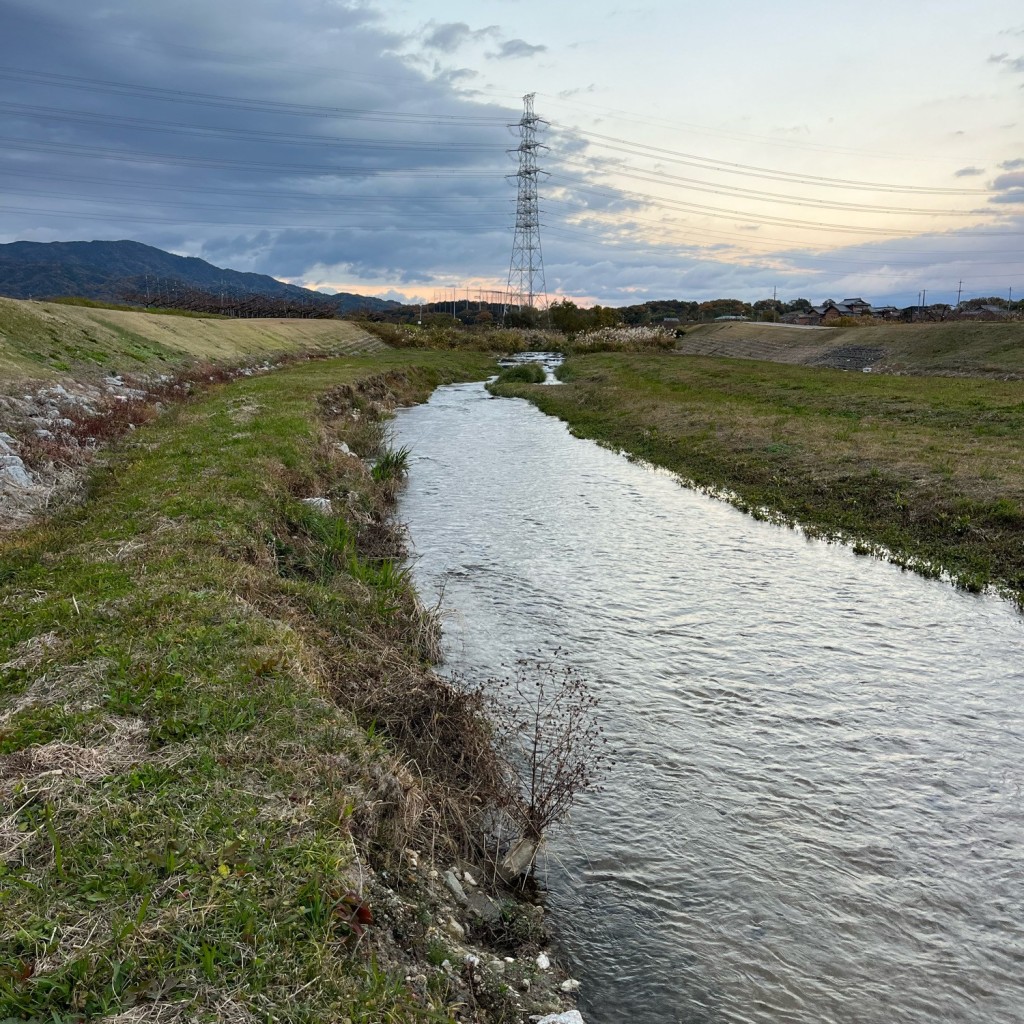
x: 108, y: 270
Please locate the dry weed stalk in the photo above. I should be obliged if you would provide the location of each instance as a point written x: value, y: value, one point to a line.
x: 551, y: 748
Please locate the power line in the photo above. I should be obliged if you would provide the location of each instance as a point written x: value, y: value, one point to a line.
x: 243, y: 103
x: 250, y: 165
x: 221, y: 131
x: 646, y: 199
x: 698, y: 185
x: 690, y: 159
x: 666, y: 242
x: 121, y: 201
x: 374, y: 227
x: 718, y: 132
x: 262, y: 194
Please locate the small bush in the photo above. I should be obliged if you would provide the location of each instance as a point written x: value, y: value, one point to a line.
x: 523, y: 373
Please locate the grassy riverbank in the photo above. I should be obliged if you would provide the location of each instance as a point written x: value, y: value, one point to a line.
x: 42, y: 341
x: 929, y: 468
x: 954, y: 347
x: 220, y: 744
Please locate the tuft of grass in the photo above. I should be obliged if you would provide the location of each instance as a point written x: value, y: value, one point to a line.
x: 392, y: 465
x: 523, y: 373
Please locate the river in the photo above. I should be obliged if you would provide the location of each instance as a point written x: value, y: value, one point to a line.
x: 816, y: 812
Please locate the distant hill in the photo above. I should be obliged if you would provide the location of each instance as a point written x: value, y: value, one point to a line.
x: 110, y: 270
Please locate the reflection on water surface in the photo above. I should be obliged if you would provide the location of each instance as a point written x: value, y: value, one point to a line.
x: 816, y: 814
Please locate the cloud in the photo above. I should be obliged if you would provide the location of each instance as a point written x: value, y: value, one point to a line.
x: 1010, y: 187
x: 330, y: 157
x: 449, y: 36
x: 968, y: 172
x: 291, y: 136
x: 515, y: 48
x: 1013, y: 63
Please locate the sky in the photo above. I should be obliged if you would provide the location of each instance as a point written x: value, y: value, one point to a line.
x: 691, y: 151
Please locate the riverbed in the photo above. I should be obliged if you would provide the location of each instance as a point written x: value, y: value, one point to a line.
x: 816, y: 811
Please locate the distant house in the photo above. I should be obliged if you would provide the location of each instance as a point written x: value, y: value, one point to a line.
x: 983, y: 313
x: 830, y: 311
x: 926, y: 314
x: 802, y: 318
x: 885, y: 312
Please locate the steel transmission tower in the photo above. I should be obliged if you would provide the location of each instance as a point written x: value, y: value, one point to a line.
x: 526, y: 268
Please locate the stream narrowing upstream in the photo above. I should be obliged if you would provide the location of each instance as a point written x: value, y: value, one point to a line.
x: 816, y: 813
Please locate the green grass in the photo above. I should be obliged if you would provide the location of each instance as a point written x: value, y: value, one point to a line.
x: 927, y: 470
x: 393, y: 464
x: 86, y: 340
x: 523, y: 373
x: 189, y: 798
x: 952, y: 347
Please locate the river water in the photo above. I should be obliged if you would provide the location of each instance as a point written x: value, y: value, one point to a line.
x: 816, y: 813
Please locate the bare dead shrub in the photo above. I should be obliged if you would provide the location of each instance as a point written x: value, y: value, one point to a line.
x: 549, y: 741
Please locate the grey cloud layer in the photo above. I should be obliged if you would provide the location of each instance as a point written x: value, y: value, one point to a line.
x: 415, y: 199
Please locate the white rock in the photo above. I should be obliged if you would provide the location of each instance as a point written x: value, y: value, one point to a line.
x: 320, y: 504
x: 13, y: 470
x: 454, y: 887
x: 468, y: 878
x: 454, y: 929
x: 543, y: 961
x: 568, y: 1017
x: 570, y: 985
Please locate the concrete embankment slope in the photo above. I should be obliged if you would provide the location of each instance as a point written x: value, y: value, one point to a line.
x: 43, y: 340
x: 960, y: 348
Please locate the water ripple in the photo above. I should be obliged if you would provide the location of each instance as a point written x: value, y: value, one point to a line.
x: 816, y: 814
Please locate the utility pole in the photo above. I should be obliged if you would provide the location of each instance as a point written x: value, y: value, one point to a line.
x: 959, y: 289
x: 526, y: 267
